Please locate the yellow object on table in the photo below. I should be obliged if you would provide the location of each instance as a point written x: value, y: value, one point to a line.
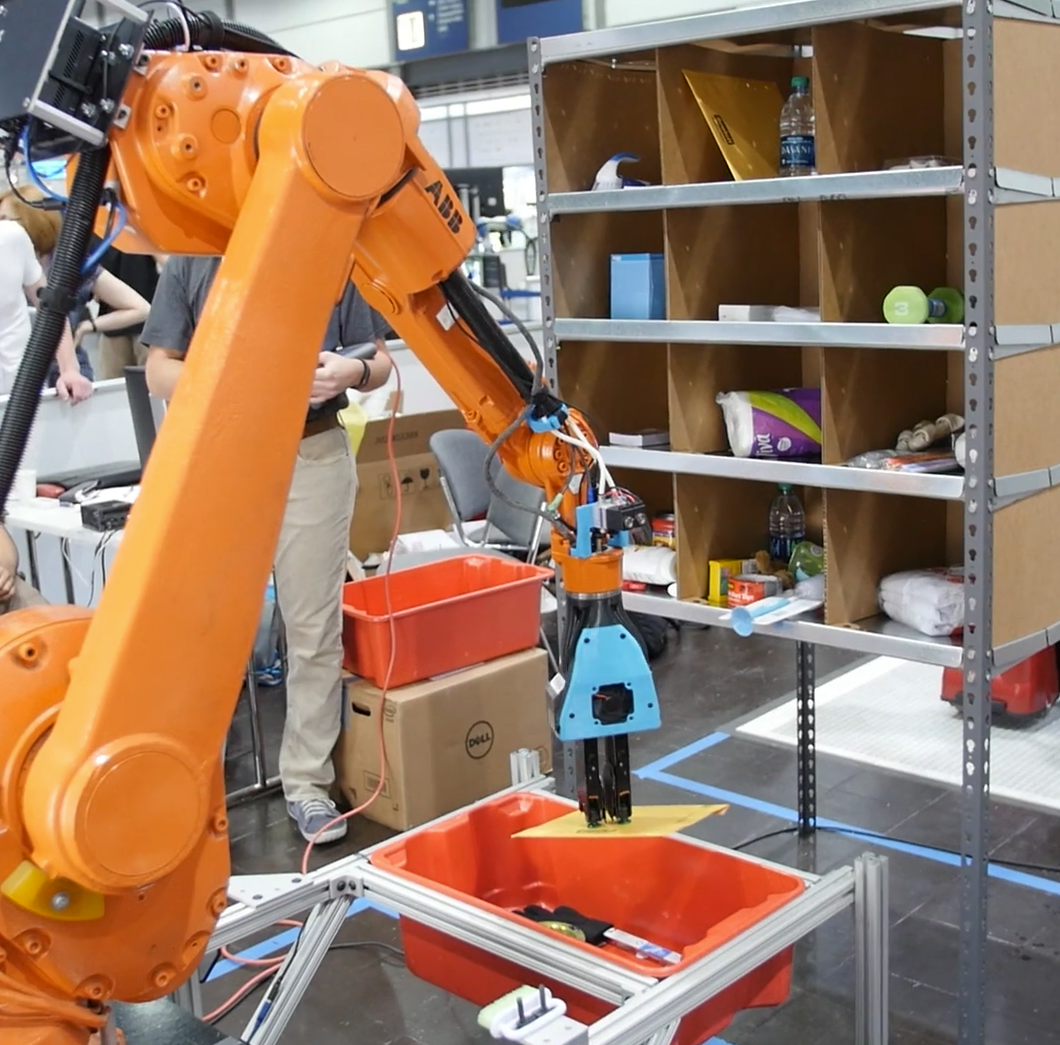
x: 647, y: 822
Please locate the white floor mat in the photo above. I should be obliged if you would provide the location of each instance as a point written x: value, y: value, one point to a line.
x: 887, y: 713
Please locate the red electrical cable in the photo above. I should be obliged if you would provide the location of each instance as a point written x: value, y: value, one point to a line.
x: 261, y: 963
x: 396, y: 485
x: 239, y: 995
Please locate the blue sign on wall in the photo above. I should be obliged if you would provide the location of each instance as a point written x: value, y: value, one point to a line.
x: 428, y: 28
x: 518, y: 19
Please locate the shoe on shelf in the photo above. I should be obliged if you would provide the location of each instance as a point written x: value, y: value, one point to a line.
x: 311, y: 814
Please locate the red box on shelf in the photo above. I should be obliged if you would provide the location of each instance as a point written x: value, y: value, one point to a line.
x: 684, y: 897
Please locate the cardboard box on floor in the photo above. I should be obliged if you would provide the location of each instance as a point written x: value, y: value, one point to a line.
x: 423, y: 504
x: 447, y: 739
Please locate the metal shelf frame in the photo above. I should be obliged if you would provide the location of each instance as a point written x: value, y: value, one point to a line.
x: 798, y: 473
x: 866, y: 185
x: 982, y: 188
x: 803, y: 13
x: 938, y: 337
x: 878, y: 637
x: 1011, y: 187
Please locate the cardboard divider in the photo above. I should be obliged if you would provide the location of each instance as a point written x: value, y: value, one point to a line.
x: 1026, y: 85
x: 619, y: 387
x: 717, y: 519
x: 582, y: 246
x: 732, y: 256
x: 869, y: 536
x: 1026, y: 572
x: 868, y: 398
x: 879, y: 95
x: 689, y: 151
x: 1027, y: 412
x: 593, y: 111
x: 1027, y: 266
x: 698, y: 373
x: 868, y: 247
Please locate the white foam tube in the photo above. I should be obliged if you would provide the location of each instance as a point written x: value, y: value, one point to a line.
x: 768, y: 611
x: 649, y: 564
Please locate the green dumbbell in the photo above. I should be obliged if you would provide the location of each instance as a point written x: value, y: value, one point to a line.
x: 912, y: 305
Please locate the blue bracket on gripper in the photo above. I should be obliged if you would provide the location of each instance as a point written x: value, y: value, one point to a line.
x: 606, y: 656
x: 619, y: 540
x: 550, y: 423
x: 583, y: 531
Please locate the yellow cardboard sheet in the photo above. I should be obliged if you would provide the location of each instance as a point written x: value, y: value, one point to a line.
x: 744, y: 117
x: 647, y: 822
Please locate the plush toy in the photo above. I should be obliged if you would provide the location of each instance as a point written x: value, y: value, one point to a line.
x: 767, y: 567
x: 927, y: 433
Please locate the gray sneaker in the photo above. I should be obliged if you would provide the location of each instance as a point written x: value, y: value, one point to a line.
x: 311, y: 814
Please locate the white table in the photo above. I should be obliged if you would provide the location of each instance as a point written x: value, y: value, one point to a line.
x: 44, y: 516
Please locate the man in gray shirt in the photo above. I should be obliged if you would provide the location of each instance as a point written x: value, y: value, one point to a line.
x: 310, y: 561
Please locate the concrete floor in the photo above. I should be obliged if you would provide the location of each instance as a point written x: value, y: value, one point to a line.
x: 707, y: 680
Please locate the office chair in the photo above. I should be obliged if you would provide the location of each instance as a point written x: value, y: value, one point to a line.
x: 509, y: 527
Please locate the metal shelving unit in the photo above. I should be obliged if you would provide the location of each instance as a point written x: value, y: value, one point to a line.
x: 983, y: 342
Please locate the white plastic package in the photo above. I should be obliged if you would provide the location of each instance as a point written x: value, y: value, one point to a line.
x: 929, y: 601
x: 784, y: 423
x: 649, y: 564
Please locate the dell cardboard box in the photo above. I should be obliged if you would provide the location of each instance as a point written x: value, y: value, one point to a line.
x: 423, y: 505
x: 447, y: 739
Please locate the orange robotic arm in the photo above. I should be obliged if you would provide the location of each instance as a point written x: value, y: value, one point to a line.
x: 114, y: 856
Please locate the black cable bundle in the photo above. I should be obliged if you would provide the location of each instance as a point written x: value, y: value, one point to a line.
x: 56, y: 302
x: 211, y: 33
x: 484, y: 330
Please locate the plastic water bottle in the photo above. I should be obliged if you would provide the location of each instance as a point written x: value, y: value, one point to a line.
x: 787, y: 525
x: 797, y: 128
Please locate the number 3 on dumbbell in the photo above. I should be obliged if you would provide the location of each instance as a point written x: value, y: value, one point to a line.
x: 912, y: 305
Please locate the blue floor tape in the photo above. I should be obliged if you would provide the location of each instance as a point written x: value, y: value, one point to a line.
x: 941, y: 856
x: 695, y: 748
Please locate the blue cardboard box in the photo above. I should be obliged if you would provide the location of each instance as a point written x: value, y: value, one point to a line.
x: 638, y: 286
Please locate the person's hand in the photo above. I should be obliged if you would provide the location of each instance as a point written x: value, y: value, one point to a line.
x: 73, y: 386
x: 83, y: 330
x: 333, y: 376
x: 7, y: 584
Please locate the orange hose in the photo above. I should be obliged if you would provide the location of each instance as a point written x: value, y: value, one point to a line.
x: 239, y: 995
x: 263, y: 963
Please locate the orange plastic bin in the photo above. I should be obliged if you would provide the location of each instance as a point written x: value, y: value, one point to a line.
x: 448, y: 615
x: 685, y: 897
